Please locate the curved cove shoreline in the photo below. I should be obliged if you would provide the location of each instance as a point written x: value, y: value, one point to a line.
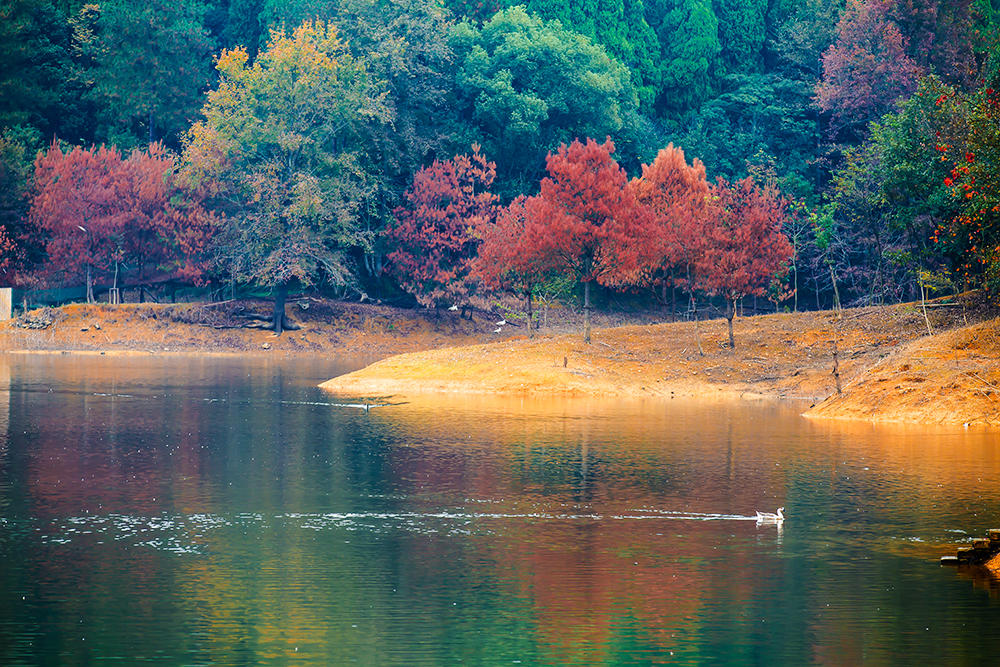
x: 889, y: 369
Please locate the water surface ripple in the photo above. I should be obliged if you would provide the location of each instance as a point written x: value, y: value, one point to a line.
x: 220, y: 511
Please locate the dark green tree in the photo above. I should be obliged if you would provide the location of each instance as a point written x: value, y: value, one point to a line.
x: 151, y: 66
x: 688, y: 31
x: 527, y: 85
x: 619, y: 26
x: 38, y: 83
x: 404, y: 43
x: 742, y: 33
x: 801, y: 40
x: 20, y: 248
x: 762, y: 114
x: 285, y: 14
x: 234, y: 23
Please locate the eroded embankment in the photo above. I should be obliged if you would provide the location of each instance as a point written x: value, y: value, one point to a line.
x: 949, y: 378
x: 781, y: 356
x: 890, y: 369
x: 326, y: 327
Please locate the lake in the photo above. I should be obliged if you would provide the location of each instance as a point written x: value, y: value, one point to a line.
x: 225, y: 511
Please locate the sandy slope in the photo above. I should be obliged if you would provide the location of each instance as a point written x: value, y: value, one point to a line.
x: 890, y: 369
x: 949, y: 378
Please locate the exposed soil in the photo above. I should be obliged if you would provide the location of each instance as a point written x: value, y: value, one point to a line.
x: 950, y: 378
x: 889, y: 368
x: 778, y: 356
x: 235, y: 327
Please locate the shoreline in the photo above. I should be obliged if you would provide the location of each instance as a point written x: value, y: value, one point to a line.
x: 888, y: 374
x: 890, y: 369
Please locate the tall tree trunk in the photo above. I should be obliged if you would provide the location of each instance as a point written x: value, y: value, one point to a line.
x: 586, y: 312
x: 142, y: 282
x: 836, y: 361
x: 673, y: 299
x: 90, y: 285
x: 531, y: 314
x: 795, y: 287
x: 836, y: 292
x: 923, y: 301
x: 697, y: 330
x: 114, y: 297
x: 880, y: 271
x: 795, y: 272
x: 280, y: 293
x: 730, y: 315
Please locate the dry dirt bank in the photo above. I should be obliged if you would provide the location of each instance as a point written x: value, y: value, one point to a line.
x: 949, y: 378
x: 781, y: 356
x: 890, y: 369
x: 327, y: 328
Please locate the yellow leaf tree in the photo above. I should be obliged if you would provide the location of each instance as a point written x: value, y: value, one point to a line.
x: 281, y: 157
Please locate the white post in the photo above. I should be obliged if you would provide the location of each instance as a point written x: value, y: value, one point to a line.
x: 6, y: 303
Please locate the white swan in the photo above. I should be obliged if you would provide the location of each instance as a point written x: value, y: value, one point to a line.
x: 769, y: 517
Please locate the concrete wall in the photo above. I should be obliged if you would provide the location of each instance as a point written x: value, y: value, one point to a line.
x: 6, y: 303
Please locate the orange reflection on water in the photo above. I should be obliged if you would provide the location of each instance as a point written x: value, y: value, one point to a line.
x: 565, y: 501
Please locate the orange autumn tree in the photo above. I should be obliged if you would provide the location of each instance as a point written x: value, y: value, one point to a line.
x: 677, y: 196
x: 435, y: 229
x: 593, y: 227
x: 505, y: 261
x: 745, y: 248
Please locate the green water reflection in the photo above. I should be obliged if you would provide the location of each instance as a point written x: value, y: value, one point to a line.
x: 223, y: 511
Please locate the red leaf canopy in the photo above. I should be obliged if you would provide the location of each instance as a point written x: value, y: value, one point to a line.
x: 435, y: 229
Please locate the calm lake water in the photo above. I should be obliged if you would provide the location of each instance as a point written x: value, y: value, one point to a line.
x: 219, y: 511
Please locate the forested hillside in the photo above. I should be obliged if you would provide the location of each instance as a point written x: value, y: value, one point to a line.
x: 809, y: 152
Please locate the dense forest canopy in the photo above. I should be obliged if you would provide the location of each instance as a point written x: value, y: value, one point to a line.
x: 288, y: 142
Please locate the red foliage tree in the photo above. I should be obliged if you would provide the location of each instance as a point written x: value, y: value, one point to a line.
x: 98, y: 211
x: 505, y: 260
x: 159, y: 227
x: 677, y: 196
x: 8, y: 254
x: 593, y: 226
x: 745, y: 248
x: 72, y: 205
x: 435, y: 228
x: 867, y: 69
